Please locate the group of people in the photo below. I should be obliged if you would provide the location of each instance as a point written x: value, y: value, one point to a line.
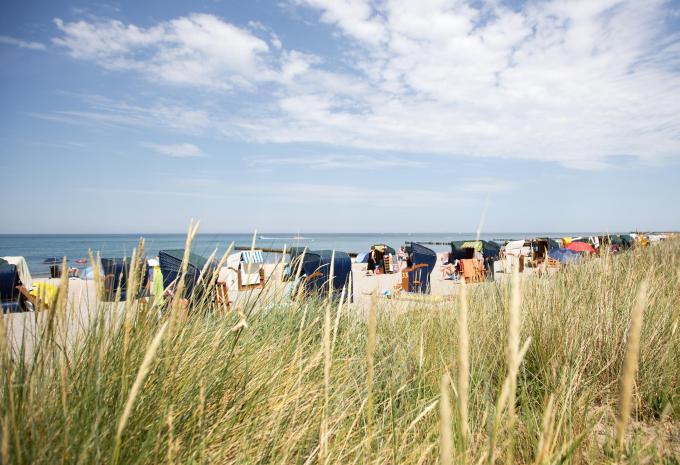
x: 451, y: 266
x: 376, y: 261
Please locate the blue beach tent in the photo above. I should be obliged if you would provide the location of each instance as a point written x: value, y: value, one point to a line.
x: 316, y: 267
x: 422, y: 261
x: 564, y: 255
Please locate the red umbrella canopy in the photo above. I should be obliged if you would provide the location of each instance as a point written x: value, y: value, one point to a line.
x: 581, y: 247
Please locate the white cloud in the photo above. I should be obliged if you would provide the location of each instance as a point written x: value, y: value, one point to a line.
x: 574, y: 82
x: 198, y: 50
x: 333, y: 161
x: 21, y: 43
x: 174, y: 150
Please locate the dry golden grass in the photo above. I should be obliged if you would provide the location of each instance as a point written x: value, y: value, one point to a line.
x: 560, y: 369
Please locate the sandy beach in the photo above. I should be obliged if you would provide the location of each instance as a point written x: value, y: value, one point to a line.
x: 82, y: 301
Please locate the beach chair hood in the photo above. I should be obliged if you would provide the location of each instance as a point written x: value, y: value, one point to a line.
x: 171, y: 266
x: 421, y: 255
x: 116, y: 273
x: 9, y: 294
x: 317, y: 265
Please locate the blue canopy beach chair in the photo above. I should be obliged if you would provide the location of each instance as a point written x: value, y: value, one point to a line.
x: 116, y: 273
x: 171, y: 268
x: 13, y: 295
x: 316, y: 268
x: 422, y: 261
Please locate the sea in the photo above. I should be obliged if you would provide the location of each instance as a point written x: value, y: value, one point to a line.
x: 37, y: 248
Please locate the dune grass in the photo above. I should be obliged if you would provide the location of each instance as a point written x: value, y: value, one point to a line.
x: 546, y: 370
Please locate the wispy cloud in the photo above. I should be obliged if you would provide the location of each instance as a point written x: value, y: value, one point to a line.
x: 105, y: 112
x: 334, y: 161
x: 573, y: 82
x: 7, y: 40
x: 174, y: 150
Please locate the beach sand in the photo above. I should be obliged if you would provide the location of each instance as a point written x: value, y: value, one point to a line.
x: 82, y: 301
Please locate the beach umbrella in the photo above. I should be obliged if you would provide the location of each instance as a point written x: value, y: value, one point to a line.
x: 583, y: 247
x: 564, y: 255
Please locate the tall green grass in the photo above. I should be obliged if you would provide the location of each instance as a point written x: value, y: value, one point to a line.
x: 541, y: 377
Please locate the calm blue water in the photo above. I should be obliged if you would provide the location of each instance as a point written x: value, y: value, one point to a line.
x: 36, y: 248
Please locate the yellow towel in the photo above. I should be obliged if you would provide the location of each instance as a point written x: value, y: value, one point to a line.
x: 45, y: 292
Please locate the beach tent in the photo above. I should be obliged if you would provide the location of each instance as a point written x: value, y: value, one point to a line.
x: 316, y: 269
x: 416, y: 278
x: 563, y: 255
x: 116, y: 273
x: 361, y: 258
x: 578, y: 246
x: 171, y: 266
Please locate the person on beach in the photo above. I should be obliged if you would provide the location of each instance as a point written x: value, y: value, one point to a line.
x: 489, y: 263
x: 372, y: 265
x: 402, y: 256
x: 449, y: 266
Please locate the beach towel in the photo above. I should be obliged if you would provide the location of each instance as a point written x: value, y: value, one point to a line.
x: 45, y: 292
x: 22, y: 269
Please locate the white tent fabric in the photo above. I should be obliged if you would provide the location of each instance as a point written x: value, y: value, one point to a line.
x: 22, y: 269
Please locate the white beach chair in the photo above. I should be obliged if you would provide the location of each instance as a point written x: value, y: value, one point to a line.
x: 246, y: 270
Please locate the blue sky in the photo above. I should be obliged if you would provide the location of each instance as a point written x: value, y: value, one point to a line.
x: 340, y: 116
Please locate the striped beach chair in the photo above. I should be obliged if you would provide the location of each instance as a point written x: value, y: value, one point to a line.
x: 248, y: 266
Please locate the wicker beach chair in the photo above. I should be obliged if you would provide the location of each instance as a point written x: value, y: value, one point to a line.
x: 417, y: 277
x: 14, y: 297
x: 116, y: 273
x: 194, y: 284
x: 316, y: 268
